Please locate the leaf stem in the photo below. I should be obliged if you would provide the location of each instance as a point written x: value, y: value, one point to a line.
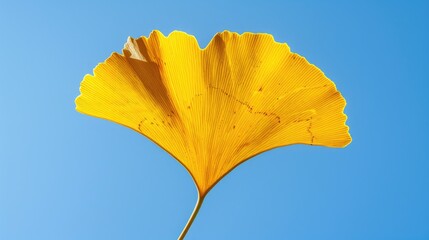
x: 192, y: 217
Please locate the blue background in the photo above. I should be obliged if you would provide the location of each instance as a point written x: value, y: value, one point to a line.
x: 64, y: 175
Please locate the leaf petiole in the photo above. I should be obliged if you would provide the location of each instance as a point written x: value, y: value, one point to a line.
x: 192, y: 217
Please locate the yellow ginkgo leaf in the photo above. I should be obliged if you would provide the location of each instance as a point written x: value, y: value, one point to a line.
x: 214, y: 108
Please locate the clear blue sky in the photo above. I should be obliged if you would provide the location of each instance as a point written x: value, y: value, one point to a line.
x: 67, y: 176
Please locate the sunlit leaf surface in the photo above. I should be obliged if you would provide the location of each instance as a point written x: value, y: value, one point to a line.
x: 216, y: 107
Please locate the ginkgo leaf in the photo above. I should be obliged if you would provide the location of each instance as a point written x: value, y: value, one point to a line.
x: 214, y: 108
